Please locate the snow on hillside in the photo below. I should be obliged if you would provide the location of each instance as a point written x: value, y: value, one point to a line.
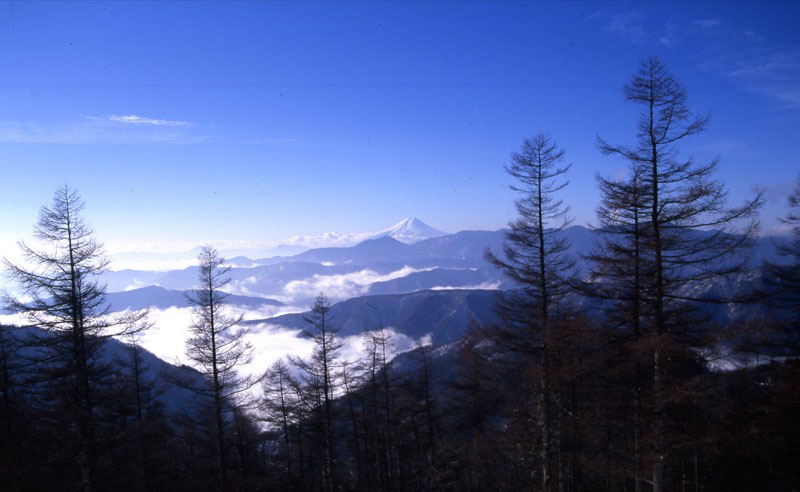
x: 410, y: 230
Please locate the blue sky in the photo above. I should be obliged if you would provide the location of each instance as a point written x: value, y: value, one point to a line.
x: 186, y: 122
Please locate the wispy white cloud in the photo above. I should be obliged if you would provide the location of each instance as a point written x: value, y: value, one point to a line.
x: 326, y: 239
x: 111, y: 129
x: 628, y: 26
x: 770, y: 71
x: 706, y: 23
x: 745, y: 57
x: 779, y: 192
x: 141, y: 120
x: 671, y: 35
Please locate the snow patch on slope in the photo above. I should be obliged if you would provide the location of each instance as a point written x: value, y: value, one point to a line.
x: 410, y: 230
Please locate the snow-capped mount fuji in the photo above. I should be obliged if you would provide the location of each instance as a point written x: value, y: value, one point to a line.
x: 410, y: 230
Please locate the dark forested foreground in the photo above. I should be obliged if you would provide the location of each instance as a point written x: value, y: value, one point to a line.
x: 642, y: 391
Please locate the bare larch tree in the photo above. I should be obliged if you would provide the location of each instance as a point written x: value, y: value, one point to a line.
x: 535, y: 258
x: 688, y: 235
x: 320, y: 376
x: 218, y: 348
x: 67, y: 300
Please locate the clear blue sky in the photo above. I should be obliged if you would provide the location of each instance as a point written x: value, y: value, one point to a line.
x: 258, y: 121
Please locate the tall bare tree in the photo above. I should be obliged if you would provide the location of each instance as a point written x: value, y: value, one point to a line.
x: 621, y: 266
x: 278, y: 407
x: 321, y: 379
x: 218, y: 348
x: 687, y: 236
x: 535, y: 258
x: 66, y: 299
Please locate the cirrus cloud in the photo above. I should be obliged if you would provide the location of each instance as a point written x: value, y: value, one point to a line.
x: 110, y: 129
x: 141, y: 120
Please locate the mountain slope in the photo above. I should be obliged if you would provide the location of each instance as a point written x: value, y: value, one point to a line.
x: 464, y: 245
x: 174, y: 398
x: 161, y: 298
x: 443, y: 314
x: 439, y: 278
x: 383, y: 248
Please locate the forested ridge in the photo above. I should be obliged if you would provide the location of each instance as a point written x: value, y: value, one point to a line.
x: 615, y: 375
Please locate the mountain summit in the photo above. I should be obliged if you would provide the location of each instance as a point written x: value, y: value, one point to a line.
x: 410, y: 230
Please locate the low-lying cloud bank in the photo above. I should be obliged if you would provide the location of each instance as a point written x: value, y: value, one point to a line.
x: 343, y: 286
x: 482, y: 286
x: 167, y: 340
x: 170, y: 329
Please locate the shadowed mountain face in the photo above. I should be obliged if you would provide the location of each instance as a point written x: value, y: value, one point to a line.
x: 160, y: 298
x: 440, y: 278
x: 174, y: 398
x: 444, y: 315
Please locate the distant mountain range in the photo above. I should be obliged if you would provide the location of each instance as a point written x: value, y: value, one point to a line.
x: 382, y: 265
x: 241, y: 253
x: 443, y: 314
x: 419, y: 287
x: 411, y: 278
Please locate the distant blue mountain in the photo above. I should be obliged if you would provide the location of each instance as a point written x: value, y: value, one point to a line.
x: 161, y: 298
x: 464, y: 245
x: 442, y: 278
x: 380, y: 249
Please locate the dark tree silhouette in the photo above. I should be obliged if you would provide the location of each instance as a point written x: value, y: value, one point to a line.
x: 278, y: 407
x: 621, y: 267
x: 535, y: 258
x: 12, y: 385
x: 321, y: 379
x: 783, y: 277
x: 688, y: 234
x: 218, y: 348
x: 67, y: 300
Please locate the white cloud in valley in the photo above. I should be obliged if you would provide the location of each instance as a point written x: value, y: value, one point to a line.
x: 167, y: 340
x: 342, y: 286
x: 482, y: 286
